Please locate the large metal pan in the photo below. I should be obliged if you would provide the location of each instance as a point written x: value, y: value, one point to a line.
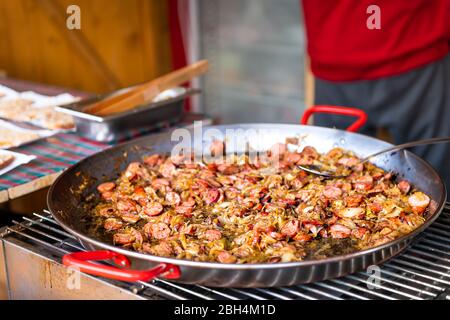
x: 65, y: 202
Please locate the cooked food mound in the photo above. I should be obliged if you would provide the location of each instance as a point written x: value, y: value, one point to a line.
x: 260, y: 210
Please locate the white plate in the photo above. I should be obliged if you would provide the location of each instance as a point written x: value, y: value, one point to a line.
x: 41, y: 133
x: 19, y: 159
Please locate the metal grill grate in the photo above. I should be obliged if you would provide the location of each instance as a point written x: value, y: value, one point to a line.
x: 422, y: 272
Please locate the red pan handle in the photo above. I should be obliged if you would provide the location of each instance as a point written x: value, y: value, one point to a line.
x: 81, y: 261
x: 346, y: 111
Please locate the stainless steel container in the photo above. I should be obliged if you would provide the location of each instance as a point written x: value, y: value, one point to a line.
x: 167, y: 107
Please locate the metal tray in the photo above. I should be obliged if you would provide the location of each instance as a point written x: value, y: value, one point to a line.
x: 167, y: 107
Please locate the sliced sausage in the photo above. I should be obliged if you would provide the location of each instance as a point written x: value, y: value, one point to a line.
x: 359, y: 233
x: 133, y: 170
x: 211, y: 196
x: 226, y: 257
x: 290, y: 228
x: 106, y: 186
x: 107, y: 195
x: 152, y: 160
x: 153, y: 209
x: 375, y: 207
x: 404, y: 186
x: 353, y: 201
x: 159, y: 230
x: 130, y: 217
x: 159, y: 183
x: 126, y: 205
x: 212, y: 235
x: 112, y: 224
x: 310, y: 152
x: 292, y: 158
x: 123, y: 238
x: 332, y: 192
x: 364, y: 183
x: 189, y: 202
x: 173, y: 198
x: 163, y: 249
x: 167, y: 169
x: 348, y: 161
x: 339, y: 231
x: 301, y: 237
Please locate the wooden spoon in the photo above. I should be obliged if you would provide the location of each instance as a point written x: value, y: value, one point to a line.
x: 146, y: 92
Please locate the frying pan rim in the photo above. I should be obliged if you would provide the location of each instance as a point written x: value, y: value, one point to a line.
x: 249, y: 266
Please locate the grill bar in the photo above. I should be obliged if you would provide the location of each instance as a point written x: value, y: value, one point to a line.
x: 320, y: 292
x: 433, y: 279
x: 396, y: 275
x: 297, y: 293
x: 273, y: 294
x: 383, y: 287
x: 362, y: 289
x: 50, y: 228
x: 345, y: 292
x: 405, y: 286
x: 48, y: 236
x: 421, y: 272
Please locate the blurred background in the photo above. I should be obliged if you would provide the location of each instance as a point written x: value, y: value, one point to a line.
x: 255, y: 49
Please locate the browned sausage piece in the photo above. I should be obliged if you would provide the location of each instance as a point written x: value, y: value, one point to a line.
x: 130, y: 217
x: 107, y: 195
x: 152, y: 160
x: 106, y: 186
x: 339, y: 231
x: 173, y: 198
x: 159, y: 230
x: 123, y: 238
x: 301, y: 237
x: 159, y: 183
x: 163, y: 249
x: 184, y: 210
x: 132, y: 170
x: 226, y: 257
x: 332, y: 192
x: 404, y: 186
x: 292, y: 158
x: 212, y: 235
x: 364, y: 183
x: 167, y: 169
x: 291, y: 228
x: 211, y: 196
x: 126, y: 205
x: 353, y: 201
x: 112, y: 224
x: 189, y: 202
x: 153, y: 209
x: 359, y: 233
x: 310, y: 152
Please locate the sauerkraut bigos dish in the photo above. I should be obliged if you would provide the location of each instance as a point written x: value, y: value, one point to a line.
x: 263, y: 211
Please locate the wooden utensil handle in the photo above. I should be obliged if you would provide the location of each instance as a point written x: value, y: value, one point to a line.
x: 147, y: 92
x: 94, y: 108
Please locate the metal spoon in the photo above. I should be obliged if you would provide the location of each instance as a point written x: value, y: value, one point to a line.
x: 314, y: 169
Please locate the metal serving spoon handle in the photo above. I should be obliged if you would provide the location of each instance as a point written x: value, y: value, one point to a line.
x: 311, y: 169
x: 407, y: 145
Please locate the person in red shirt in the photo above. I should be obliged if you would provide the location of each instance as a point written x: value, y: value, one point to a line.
x: 389, y: 58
